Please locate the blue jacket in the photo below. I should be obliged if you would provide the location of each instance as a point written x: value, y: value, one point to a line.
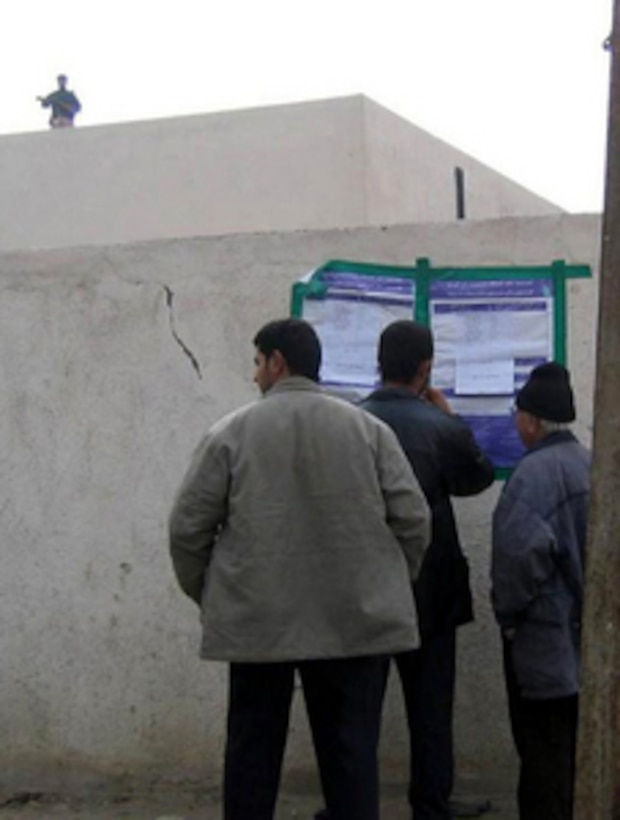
x: 539, y: 533
x: 63, y: 103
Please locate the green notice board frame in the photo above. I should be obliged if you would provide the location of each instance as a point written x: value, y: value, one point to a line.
x: 349, y: 303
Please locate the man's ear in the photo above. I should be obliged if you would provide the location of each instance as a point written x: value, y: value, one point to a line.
x: 424, y: 370
x: 537, y: 425
x: 533, y: 426
x: 278, y: 364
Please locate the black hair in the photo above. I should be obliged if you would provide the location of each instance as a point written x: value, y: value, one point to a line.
x: 403, y: 346
x: 297, y: 342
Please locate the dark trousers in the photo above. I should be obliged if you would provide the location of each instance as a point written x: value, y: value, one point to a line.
x: 545, y: 734
x: 427, y: 677
x: 343, y: 699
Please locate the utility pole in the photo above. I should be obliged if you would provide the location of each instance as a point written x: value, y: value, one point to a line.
x: 597, y: 794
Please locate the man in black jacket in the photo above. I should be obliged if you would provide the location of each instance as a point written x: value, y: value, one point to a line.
x: 447, y: 461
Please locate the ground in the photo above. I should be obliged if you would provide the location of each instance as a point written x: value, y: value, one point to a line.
x: 174, y: 805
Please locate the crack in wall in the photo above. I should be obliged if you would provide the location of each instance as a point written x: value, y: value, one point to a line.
x: 170, y: 303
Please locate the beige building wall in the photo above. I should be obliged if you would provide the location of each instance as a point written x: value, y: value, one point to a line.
x: 410, y: 177
x: 329, y: 164
x: 115, y: 361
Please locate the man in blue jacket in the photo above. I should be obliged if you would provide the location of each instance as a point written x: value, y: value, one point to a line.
x: 539, y: 533
x: 447, y: 462
x: 64, y: 104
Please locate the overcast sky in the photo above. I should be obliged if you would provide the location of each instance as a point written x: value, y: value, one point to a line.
x: 522, y: 85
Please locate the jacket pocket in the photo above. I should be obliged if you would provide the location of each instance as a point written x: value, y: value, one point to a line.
x: 545, y: 653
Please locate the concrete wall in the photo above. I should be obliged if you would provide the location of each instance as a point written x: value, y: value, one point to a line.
x: 321, y: 165
x: 410, y: 177
x: 101, y: 404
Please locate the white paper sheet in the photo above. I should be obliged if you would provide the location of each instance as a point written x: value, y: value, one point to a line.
x: 349, y: 332
x: 477, y: 377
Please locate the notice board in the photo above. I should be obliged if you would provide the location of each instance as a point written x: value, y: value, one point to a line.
x: 491, y: 326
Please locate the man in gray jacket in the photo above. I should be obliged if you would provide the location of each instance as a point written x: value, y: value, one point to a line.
x: 299, y: 529
x: 539, y: 533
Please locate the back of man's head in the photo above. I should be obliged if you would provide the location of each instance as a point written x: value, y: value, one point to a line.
x: 403, y: 346
x: 297, y: 342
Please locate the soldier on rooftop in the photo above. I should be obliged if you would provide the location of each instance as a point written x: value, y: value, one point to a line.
x: 64, y: 104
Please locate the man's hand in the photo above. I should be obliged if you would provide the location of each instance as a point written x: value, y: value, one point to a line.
x: 433, y: 395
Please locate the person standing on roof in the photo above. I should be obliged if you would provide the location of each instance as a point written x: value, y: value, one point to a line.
x: 64, y: 104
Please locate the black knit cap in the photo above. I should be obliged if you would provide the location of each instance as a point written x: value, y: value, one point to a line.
x: 547, y: 394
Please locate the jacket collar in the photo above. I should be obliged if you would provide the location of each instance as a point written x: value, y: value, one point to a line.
x: 387, y: 393
x: 561, y: 437
x: 293, y: 384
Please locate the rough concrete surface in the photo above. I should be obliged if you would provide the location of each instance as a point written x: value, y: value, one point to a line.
x: 207, y: 806
x: 235, y: 172
x: 101, y: 405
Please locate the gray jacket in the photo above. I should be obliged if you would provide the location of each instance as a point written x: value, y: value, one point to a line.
x: 299, y: 527
x: 539, y: 532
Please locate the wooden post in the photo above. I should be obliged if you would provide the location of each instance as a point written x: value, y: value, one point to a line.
x: 597, y: 794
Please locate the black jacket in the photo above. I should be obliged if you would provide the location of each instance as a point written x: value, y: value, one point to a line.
x: 447, y: 461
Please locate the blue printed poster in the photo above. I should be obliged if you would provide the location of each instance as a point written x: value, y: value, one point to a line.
x: 349, y: 318
x: 489, y: 334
